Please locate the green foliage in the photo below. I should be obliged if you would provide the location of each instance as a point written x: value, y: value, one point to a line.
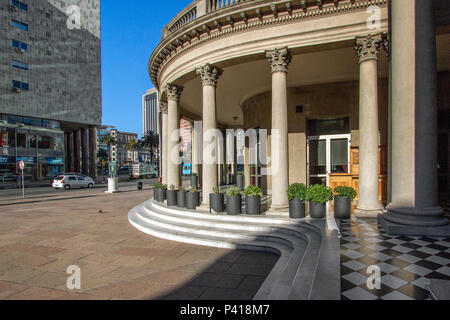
x: 192, y: 189
x: 233, y: 191
x: 252, y: 191
x: 343, y: 191
x: 318, y: 193
x: 159, y: 185
x: 297, y: 191
x: 240, y: 173
x: 181, y: 189
x: 172, y: 187
x: 216, y: 190
x: 194, y: 174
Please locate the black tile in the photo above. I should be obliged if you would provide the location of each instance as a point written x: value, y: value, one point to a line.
x: 366, y: 251
x: 399, y: 263
x: 405, y: 238
x: 344, y: 258
x: 368, y: 260
x: 405, y: 275
x: 437, y: 275
x: 437, y: 247
x: 384, y: 290
x: 392, y: 253
x: 429, y: 265
x: 431, y: 240
x: 443, y: 255
x: 419, y: 254
x: 414, y: 292
x: 411, y: 245
x: 345, y: 270
x: 346, y: 285
x: 388, y: 245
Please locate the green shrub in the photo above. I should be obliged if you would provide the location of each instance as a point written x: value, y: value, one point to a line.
x: 159, y: 185
x: 192, y: 189
x: 240, y: 173
x: 233, y: 191
x: 216, y: 190
x: 252, y: 191
x: 181, y: 189
x: 297, y: 191
x: 318, y: 193
x: 194, y: 174
x: 173, y: 188
x: 343, y: 191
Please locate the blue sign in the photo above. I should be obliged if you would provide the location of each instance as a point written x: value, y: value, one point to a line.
x: 26, y: 159
x: 4, y: 159
x: 187, y: 169
x: 51, y: 160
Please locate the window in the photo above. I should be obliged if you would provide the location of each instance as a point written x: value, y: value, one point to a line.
x: 20, y: 85
x: 19, y: 5
x: 19, y: 45
x: 72, y: 178
x: 19, y: 25
x: 32, y: 121
x: 81, y: 179
x: 20, y: 65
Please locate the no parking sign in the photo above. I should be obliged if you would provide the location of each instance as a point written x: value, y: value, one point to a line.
x: 22, y: 166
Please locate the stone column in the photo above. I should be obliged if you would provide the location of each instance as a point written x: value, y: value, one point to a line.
x: 414, y: 208
x: 173, y: 135
x: 209, y: 75
x: 279, y: 60
x: 194, y: 151
x: 367, y: 48
x: 85, y: 151
x: 164, y: 139
x: 71, y: 151
x: 93, y: 153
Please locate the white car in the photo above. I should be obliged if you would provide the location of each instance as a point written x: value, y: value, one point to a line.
x: 72, y: 181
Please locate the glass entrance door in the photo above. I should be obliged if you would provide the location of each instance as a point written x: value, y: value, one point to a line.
x: 327, y: 155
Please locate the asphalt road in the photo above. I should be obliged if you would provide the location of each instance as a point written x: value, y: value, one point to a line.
x: 48, y: 191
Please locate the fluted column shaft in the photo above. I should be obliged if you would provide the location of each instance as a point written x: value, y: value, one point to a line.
x: 173, y: 135
x: 367, y: 49
x: 209, y: 76
x: 279, y: 60
x: 164, y: 140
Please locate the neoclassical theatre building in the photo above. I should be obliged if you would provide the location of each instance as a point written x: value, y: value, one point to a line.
x: 357, y: 91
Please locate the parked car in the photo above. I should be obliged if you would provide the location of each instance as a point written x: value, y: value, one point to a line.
x: 9, y: 177
x: 72, y: 181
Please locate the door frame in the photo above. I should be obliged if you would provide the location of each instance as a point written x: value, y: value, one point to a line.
x: 328, y: 139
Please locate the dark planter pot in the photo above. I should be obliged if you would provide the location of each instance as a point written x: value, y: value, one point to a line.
x: 317, y: 210
x: 240, y: 181
x: 172, y: 198
x: 159, y: 194
x: 194, y: 182
x: 192, y: 200
x: 216, y: 202
x: 181, y: 199
x: 342, y: 207
x: 253, y: 205
x: 296, y: 209
x: 234, y: 205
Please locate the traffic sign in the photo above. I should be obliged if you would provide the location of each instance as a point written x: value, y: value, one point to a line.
x: 21, y: 165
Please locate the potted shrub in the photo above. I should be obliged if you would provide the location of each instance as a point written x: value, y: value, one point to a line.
x: 181, y: 197
x: 297, y: 195
x: 192, y: 199
x: 233, y: 201
x: 240, y: 180
x: 253, y: 196
x: 194, y: 180
x: 159, y: 191
x: 172, y: 196
x: 318, y: 195
x: 343, y: 201
x: 216, y: 200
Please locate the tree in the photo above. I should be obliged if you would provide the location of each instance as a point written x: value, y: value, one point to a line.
x: 132, y: 145
x: 102, y: 154
x: 150, y: 140
x: 109, y: 140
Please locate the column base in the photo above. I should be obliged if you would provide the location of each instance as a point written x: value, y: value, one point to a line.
x: 278, y: 211
x: 415, y: 222
x: 371, y: 214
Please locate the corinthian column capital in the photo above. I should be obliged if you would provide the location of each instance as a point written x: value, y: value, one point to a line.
x: 163, y: 106
x: 209, y: 74
x: 367, y: 47
x: 279, y: 59
x: 173, y: 92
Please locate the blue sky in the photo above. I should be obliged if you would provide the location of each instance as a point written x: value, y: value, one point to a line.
x: 130, y: 31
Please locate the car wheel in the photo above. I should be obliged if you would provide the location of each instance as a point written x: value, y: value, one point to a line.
x: 67, y: 187
x: 90, y: 185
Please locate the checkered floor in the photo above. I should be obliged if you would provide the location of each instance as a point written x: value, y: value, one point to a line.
x: 406, y: 263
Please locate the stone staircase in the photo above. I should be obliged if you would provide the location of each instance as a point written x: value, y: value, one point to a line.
x: 297, y: 243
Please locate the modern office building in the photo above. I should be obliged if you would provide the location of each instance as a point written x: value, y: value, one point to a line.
x: 150, y: 111
x: 349, y: 92
x: 50, y: 86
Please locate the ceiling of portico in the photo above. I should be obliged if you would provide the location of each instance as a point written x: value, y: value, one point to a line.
x: 242, y: 81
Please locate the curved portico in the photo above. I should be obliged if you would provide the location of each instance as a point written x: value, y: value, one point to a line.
x: 292, y: 71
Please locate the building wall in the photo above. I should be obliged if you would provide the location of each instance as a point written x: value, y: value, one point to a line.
x: 64, y: 73
x: 331, y: 100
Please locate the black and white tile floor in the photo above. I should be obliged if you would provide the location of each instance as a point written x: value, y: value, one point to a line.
x: 406, y: 263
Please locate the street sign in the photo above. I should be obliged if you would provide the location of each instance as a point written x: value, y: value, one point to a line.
x: 21, y: 165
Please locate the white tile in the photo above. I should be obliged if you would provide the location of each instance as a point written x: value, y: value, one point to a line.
x: 438, y: 260
x: 386, y: 267
x: 421, y: 271
x: 422, y: 282
x: 355, y: 278
x: 393, y: 282
x: 402, y: 249
x: 355, y: 265
x: 359, y: 294
x: 395, y: 295
x: 396, y: 241
x: 443, y: 243
x: 373, y: 240
x: 444, y: 270
x: 420, y: 242
x: 380, y: 256
x: 353, y: 254
x: 409, y: 258
x: 377, y: 247
x: 428, y: 250
x: 352, y: 246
